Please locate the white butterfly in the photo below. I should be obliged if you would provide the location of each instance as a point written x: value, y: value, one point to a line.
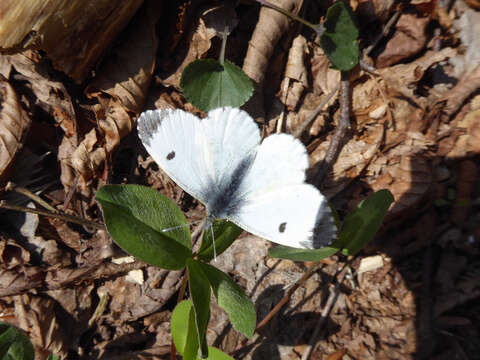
x: 260, y: 187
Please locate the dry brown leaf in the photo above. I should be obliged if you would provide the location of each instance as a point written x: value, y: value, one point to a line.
x: 12, y: 254
x: 409, y: 179
x: 199, y: 41
x: 465, y: 87
x: 271, y: 26
x: 468, y: 140
x: 37, y: 317
x: 295, y: 80
x: 74, y: 43
x: 325, y: 78
x: 404, y: 77
x: 124, y: 81
x: 14, y: 124
x: 51, y: 95
x: 375, y: 9
x: 408, y: 40
x: 354, y: 157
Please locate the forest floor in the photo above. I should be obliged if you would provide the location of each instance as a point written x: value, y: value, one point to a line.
x: 412, y: 293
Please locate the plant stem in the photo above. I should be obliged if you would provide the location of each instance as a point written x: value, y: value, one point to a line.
x: 221, y: 57
x: 21, y: 190
x: 317, y: 28
x: 64, y: 217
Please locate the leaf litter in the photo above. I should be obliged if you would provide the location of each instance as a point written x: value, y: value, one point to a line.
x: 411, y: 293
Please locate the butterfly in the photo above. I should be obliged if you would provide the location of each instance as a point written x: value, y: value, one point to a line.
x: 220, y: 161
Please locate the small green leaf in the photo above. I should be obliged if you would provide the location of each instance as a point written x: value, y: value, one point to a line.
x: 295, y: 254
x: 135, y: 217
x: 339, y: 39
x: 200, y: 294
x: 232, y: 299
x: 362, y: 224
x: 53, y: 357
x: 215, y: 354
x: 14, y: 345
x: 184, y: 331
x: 225, y: 233
x: 209, y: 85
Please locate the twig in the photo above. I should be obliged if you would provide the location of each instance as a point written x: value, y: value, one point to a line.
x: 339, y: 135
x: 64, y: 217
x: 21, y: 190
x: 384, y: 33
x: 332, y: 298
x: 299, y: 131
x: 289, y: 293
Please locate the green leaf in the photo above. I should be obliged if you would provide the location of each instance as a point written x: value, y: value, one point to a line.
x: 225, y: 233
x: 362, y: 224
x: 53, y: 357
x: 184, y: 331
x: 339, y: 39
x: 209, y: 85
x: 135, y: 217
x: 200, y: 294
x: 14, y: 345
x: 295, y: 254
x: 215, y: 354
x: 232, y: 299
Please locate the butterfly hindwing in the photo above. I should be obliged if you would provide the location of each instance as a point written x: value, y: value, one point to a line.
x: 277, y: 203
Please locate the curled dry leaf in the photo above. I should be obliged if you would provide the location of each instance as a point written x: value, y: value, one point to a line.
x: 51, y: 95
x: 456, y: 97
x: 124, y: 82
x: 14, y: 124
x: 37, y: 317
x: 468, y: 140
x: 354, y: 157
x: 12, y: 254
x: 88, y: 27
x: 271, y: 26
x: 199, y: 41
x: 295, y: 80
x: 409, y: 39
x: 403, y: 78
x: 325, y: 78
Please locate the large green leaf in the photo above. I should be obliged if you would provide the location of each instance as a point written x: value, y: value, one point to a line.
x: 208, y: 85
x: 200, y: 294
x: 225, y: 232
x: 184, y: 331
x: 339, y: 38
x: 232, y: 299
x: 14, y: 345
x: 362, y: 224
x: 135, y: 217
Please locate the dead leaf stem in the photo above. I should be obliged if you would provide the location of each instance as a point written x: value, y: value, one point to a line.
x: 21, y: 190
x: 287, y: 296
x: 338, y: 137
x: 306, y: 124
x: 64, y: 217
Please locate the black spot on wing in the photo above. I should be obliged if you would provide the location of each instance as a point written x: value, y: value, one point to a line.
x: 171, y: 155
x: 223, y: 198
x: 282, y: 227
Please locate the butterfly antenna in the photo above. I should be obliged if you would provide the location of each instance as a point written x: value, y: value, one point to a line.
x: 174, y: 228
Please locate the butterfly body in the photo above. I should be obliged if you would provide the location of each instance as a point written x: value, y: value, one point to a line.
x: 260, y: 187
